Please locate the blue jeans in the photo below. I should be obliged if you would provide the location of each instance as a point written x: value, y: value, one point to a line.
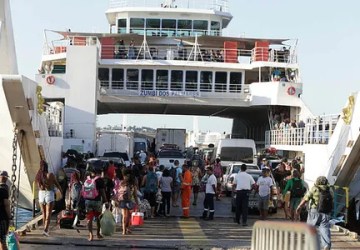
x: 242, y: 205
x: 322, y: 221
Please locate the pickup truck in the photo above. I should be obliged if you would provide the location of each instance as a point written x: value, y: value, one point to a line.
x: 168, y: 157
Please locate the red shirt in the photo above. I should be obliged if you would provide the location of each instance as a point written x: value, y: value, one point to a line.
x: 111, y: 171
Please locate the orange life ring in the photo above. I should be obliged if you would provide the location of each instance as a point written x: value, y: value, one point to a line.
x: 291, y: 91
x: 50, y: 80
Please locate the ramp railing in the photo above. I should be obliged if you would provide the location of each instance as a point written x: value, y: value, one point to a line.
x: 271, y: 235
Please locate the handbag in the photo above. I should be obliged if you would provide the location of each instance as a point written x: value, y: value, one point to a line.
x: 58, y: 194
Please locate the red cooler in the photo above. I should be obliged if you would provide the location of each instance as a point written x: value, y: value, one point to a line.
x: 137, y: 219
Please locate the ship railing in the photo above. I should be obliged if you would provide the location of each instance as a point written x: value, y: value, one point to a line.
x: 274, y: 235
x: 175, y: 86
x: 218, y: 5
x: 171, y: 32
x: 186, y: 53
x: 60, y: 46
x: 317, y: 130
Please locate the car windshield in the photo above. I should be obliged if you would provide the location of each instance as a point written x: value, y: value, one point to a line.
x: 236, y: 168
x: 237, y: 154
x: 117, y: 154
x: 170, y: 154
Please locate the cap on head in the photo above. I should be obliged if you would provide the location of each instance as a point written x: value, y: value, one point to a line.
x: 4, y: 174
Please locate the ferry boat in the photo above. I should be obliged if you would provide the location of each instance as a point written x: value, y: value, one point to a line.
x: 171, y: 57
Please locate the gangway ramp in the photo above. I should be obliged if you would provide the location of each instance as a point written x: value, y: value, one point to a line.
x: 18, y: 98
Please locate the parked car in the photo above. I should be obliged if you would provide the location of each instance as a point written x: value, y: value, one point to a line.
x: 123, y: 155
x: 230, y: 172
x: 254, y: 196
x: 168, y: 157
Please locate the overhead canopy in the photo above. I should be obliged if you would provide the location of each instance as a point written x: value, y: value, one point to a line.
x: 206, y: 41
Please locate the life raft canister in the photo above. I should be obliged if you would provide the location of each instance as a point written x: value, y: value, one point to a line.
x: 291, y: 91
x: 50, y: 80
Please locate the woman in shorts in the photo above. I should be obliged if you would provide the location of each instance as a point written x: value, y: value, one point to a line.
x: 46, y: 182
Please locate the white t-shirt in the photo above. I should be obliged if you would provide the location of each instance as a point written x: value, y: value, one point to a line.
x: 264, y: 184
x: 243, y: 181
x: 209, y: 184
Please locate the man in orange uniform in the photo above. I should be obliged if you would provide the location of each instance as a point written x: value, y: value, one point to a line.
x: 186, y: 191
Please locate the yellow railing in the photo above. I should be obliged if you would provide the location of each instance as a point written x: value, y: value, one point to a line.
x: 271, y: 235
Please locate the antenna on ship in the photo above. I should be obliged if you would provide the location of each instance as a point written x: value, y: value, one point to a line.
x: 144, y: 47
x: 195, y: 50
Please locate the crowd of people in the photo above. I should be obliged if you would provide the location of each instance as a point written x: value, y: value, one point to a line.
x: 154, y: 190
x: 144, y: 186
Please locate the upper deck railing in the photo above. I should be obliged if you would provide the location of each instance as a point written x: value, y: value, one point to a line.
x: 315, y: 131
x: 218, y: 5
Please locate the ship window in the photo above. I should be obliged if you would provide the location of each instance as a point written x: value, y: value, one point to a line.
x: 147, y: 79
x: 235, y: 82
x: 184, y: 27
x: 117, y: 79
x: 220, y: 81
x: 122, y: 25
x: 153, y: 27
x: 206, y: 81
x: 137, y: 25
x: 162, y: 77
x: 132, y: 79
x: 168, y: 27
x: 103, y: 75
x: 215, y: 28
x: 176, y: 80
x: 191, y: 80
x: 200, y: 27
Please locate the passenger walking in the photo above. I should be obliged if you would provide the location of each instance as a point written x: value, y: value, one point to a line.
x: 297, y: 190
x: 94, y: 194
x: 165, y: 185
x: 126, y: 196
x: 242, y: 184
x: 176, y: 173
x: 46, y: 182
x: 264, y: 184
x: 321, y: 205
x: 210, y: 191
x: 150, y: 183
x: 218, y: 172
x: 5, y: 214
x: 196, y: 177
x: 186, y: 191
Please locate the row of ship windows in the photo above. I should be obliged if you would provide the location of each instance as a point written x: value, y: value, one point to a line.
x: 168, y: 27
x: 176, y: 80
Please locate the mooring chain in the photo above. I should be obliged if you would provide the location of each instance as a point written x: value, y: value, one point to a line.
x: 13, y: 176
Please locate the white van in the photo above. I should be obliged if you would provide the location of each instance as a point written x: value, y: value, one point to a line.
x: 236, y: 150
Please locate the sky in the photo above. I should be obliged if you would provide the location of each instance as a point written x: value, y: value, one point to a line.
x: 327, y: 32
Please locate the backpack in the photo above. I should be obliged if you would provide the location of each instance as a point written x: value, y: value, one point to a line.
x: 123, y: 193
x: 151, y: 183
x: 325, y: 204
x: 89, y: 190
x: 173, y: 173
x: 217, y: 170
x: 298, y: 189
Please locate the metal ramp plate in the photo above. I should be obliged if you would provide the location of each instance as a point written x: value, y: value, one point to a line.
x: 19, y: 111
